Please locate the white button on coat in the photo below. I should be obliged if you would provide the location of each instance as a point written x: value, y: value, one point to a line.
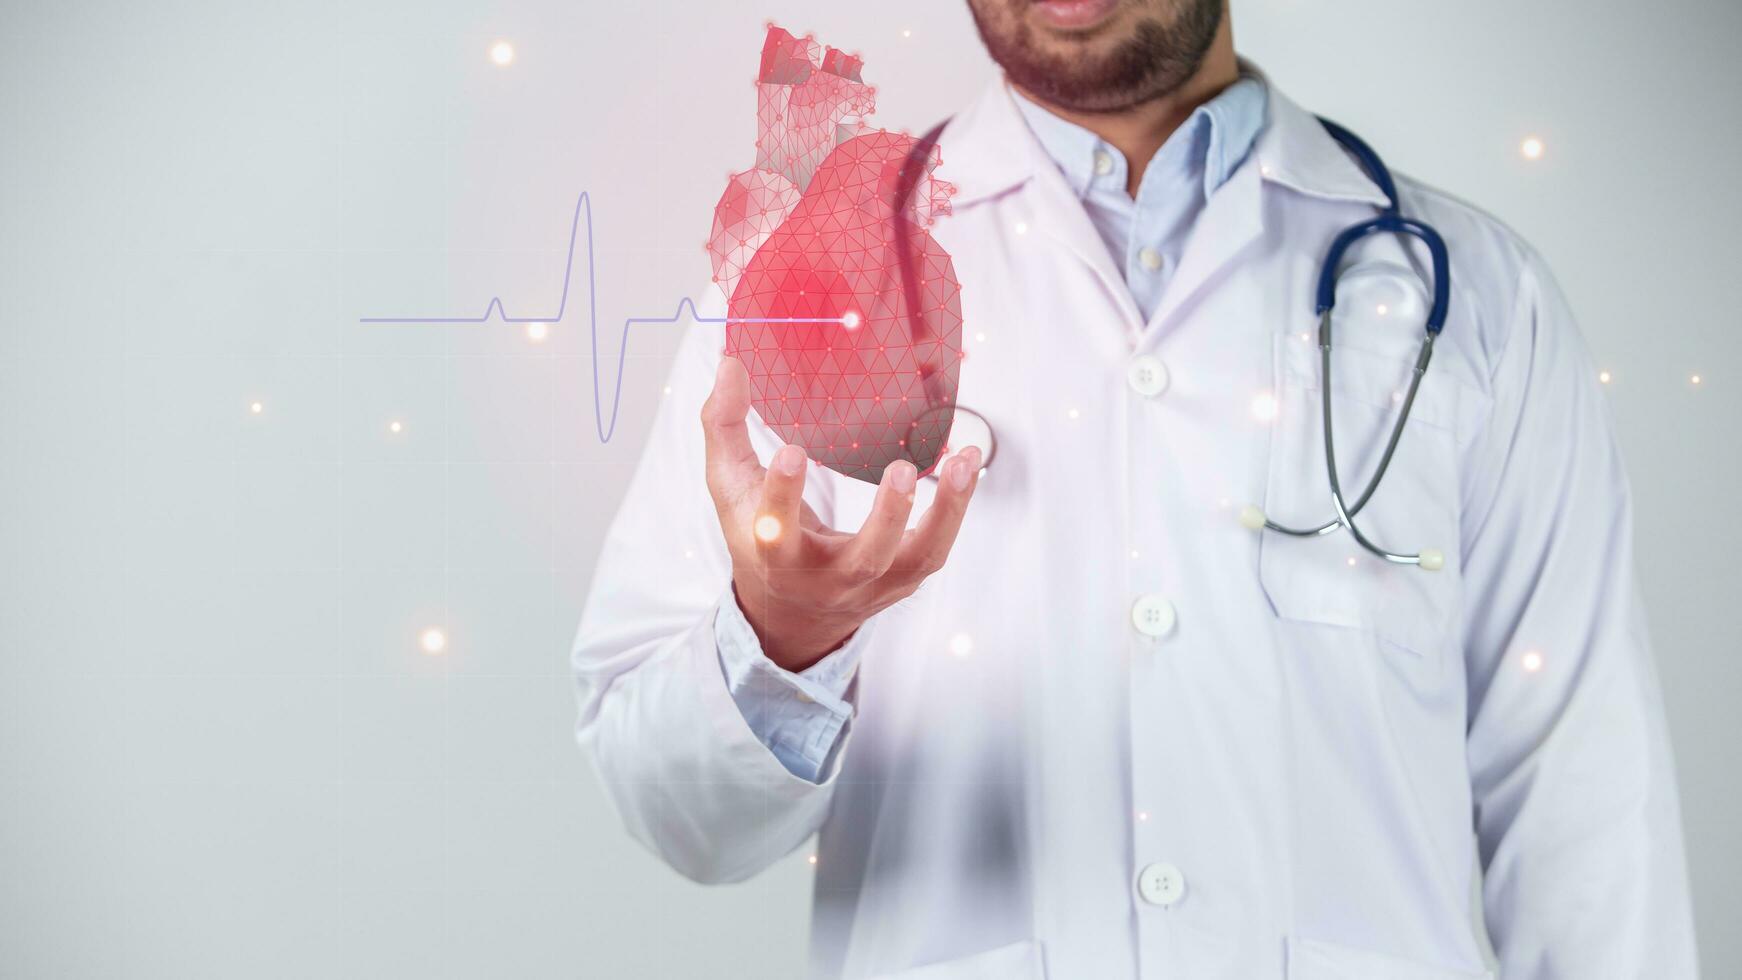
x: 1161, y: 884
x: 1147, y: 375
x: 1152, y: 615
x: 1150, y: 258
x: 1103, y: 162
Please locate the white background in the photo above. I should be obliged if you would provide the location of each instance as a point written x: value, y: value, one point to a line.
x: 222, y: 753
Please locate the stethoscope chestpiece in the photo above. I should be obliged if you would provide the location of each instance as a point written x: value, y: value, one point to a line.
x: 967, y: 428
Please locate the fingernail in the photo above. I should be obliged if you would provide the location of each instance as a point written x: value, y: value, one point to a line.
x: 902, y: 476
x: 960, y: 471
x: 972, y: 456
x: 789, y: 460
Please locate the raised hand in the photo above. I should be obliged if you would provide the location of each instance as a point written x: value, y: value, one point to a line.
x: 805, y: 587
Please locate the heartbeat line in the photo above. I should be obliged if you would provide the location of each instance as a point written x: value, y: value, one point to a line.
x: 584, y: 210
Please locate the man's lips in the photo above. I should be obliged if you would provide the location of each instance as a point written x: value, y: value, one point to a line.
x: 1074, y: 15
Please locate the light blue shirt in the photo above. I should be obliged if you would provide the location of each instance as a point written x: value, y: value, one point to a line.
x: 1147, y: 235
x: 800, y: 716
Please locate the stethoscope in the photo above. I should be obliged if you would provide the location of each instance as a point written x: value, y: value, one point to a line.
x: 1389, y: 220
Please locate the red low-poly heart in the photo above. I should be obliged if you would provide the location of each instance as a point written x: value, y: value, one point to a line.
x: 845, y: 358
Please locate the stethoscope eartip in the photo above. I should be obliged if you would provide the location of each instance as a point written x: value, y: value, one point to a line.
x: 1252, y: 518
x: 1432, y: 559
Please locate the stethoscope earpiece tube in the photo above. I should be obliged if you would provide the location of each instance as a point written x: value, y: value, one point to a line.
x: 912, y: 169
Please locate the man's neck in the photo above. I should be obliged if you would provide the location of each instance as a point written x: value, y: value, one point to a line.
x: 1140, y: 130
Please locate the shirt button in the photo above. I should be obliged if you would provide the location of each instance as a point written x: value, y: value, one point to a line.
x: 1152, y: 615
x: 1150, y: 258
x: 1103, y: 162
x: 1161, y: 884
x: 1146, y: 375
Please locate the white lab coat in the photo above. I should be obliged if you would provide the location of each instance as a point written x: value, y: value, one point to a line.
x: 1316, y: 757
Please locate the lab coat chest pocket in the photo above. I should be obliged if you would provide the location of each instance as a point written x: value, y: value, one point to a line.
x: 1017, y: 961
x: 1331, y: 580
x: 1314, y: 960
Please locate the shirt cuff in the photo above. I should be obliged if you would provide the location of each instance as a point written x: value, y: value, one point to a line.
x: 798, y: 716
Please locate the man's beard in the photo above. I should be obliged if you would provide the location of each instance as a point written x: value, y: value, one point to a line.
x: 1155, y: 60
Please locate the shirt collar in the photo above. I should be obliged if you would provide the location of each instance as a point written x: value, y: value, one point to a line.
x: 989, y: 150
x: 1213, y: 140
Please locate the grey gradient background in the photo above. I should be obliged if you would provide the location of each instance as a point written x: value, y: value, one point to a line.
x: 222, y: 753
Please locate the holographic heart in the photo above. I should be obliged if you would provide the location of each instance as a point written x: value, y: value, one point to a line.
x: 843, y: 308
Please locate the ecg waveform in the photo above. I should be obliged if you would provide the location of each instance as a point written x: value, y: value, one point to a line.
x: 584, y: 211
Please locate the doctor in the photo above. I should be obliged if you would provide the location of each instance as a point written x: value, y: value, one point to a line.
x: 1069, y: 718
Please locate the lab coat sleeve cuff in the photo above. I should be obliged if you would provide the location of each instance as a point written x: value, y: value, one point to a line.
x: 798, y: 716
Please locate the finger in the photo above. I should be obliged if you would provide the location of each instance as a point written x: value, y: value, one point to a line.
x: 777, y: 524
x: 923, y: 552
x: 732, y: 461
x: 873, y: 548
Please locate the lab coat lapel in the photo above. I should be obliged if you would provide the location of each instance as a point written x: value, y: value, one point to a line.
x: 1059, y: 214
x: 1293, y: 151
x: 1296, y: 152
x: 989, y: 150
x: 980, y: 151
x: 1232, y: 219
